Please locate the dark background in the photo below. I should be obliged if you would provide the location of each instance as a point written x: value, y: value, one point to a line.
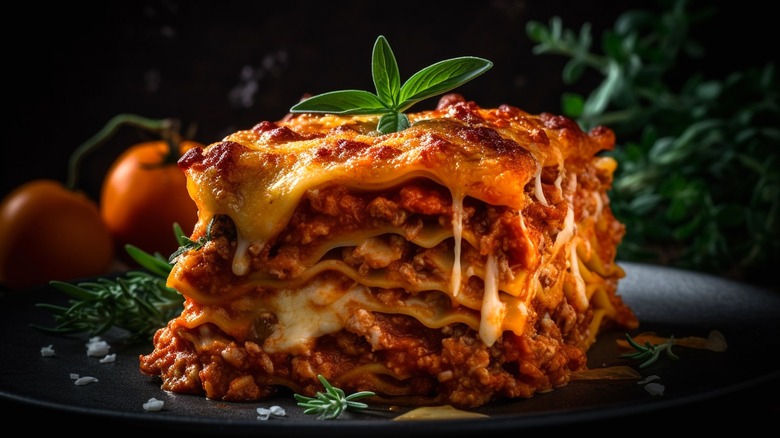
x: 227, y: 65
x: 230, y: 64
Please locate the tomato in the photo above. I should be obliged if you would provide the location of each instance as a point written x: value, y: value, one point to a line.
x: 49, y: 232
x: 143, y: 194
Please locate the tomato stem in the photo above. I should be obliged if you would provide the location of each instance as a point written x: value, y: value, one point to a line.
x: 172, y: 136
x: 113, y: 125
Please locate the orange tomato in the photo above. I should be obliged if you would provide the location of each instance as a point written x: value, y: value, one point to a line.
x: 49, y: 232
x: 143, y: 194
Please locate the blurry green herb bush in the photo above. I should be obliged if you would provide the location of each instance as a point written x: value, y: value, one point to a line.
x: 698, y: 181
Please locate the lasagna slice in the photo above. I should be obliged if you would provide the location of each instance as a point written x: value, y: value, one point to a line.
x: 467, y: 259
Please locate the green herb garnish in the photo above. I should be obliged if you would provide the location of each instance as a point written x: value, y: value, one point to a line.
x: 186, y: 244
x: 330, y: 404
x: 392, y: 98
x: 649, y: 353
x: 138, y: 302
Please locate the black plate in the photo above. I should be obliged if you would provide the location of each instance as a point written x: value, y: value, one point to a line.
x: 668, y: 301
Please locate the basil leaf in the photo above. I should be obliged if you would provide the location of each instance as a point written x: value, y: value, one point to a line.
x: 384, y: 69
x: 342, y: 102
x: 392, y: 99
x: 441, y: 77
x: 393, y: 122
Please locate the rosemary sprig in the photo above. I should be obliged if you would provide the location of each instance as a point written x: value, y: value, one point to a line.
x: 648, y: 352
x: 186, y: 244
x: 139, y: 302
x: 392, y: 98
x: 330, y: 404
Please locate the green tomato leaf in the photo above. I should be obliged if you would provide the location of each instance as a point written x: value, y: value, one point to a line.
x: 342, y: 102
x: 393, y: 122
x: 441, y: 77
x: 384, y: 69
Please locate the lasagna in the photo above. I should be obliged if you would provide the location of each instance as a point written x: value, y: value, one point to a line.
x: 467, y: 259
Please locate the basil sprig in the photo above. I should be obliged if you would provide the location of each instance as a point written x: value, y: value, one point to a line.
x: 392, y: 98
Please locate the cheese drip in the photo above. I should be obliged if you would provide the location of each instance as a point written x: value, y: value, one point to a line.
x: 457, y: 231
x: 241, y: 259
x: 538, y: 187
x: 569, y: 226
x: 580, y: 299
x: 493, y: 309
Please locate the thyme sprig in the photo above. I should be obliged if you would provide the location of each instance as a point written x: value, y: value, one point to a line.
x: 649, y: 353
x: 392, y: 98
x: 332, y: 403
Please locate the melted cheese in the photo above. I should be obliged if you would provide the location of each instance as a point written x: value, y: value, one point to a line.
x: 567, y: 233
x: 493, y: 309
x: 538, y: 187
x: 301, y: 316
x: 457, y: 231
x: 241, y: 258
x: 558, y: 180
x: 445, y: 412
x: 579, y: 297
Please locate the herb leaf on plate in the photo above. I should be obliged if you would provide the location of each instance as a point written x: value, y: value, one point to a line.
x: 330, y: 404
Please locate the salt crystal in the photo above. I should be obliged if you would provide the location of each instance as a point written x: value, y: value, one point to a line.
x: 97, y: 347
x: 48, y: 351
x: 265, y: 413
x: 278, y: 411
x: 655, y: 388
x: 108, y: 358
x: 153, y: 405
x: 81, y: 381
x: 648, y: 379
